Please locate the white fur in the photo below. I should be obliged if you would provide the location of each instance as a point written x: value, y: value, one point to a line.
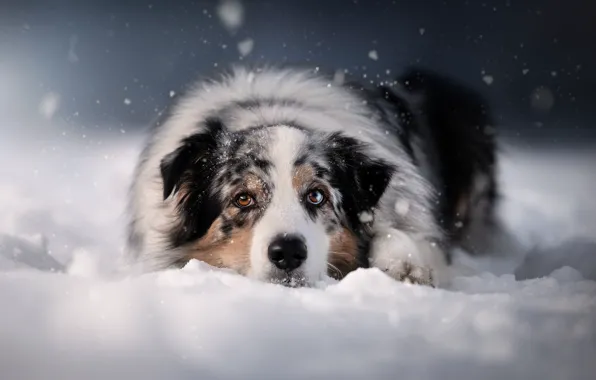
x: 326, y: 107
x: 394, y: 251
x: 285, y: 214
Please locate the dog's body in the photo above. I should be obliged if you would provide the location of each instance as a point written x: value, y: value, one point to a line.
x: 285, y: 176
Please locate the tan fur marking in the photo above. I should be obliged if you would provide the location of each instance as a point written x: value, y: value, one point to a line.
x: 303, y: 176
x: 343, y: 249
x: 232, y: 252
x: 181, y: 193
x: 255, y: 186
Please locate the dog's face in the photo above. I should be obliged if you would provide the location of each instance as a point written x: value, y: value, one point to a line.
x: 280, y: 203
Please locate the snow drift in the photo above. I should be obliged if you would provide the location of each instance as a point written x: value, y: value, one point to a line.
x: 64, y: 316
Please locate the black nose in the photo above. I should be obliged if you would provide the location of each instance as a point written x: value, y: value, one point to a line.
x: 287, y: 252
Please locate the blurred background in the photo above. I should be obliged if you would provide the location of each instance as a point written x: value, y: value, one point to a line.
x: 114, y: 64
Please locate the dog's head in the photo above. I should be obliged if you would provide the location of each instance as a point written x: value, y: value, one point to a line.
x: 278, y: 203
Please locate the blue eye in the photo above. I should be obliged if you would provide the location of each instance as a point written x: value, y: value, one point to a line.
x: 315, y: 197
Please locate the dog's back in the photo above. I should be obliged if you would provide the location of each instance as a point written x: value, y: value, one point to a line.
x: 452, y: 126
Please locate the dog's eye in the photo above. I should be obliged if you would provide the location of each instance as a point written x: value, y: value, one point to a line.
x: 315, y: 197
x: 244, y: 200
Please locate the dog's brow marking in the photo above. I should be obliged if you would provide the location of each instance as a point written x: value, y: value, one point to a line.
x: 303, y: 176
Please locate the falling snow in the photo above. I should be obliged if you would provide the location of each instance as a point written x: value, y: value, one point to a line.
x: 49, y: 105
x: 488, y: 79
x: 366, y: 217
x: 245, y: 46
x: 231, y: 14
x: 373, y: 55
x: 402, y: 206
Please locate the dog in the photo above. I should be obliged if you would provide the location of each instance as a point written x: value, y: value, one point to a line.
x: 289, y: 176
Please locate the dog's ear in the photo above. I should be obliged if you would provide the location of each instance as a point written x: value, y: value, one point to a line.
x: 361, y: 179
x: 193, y: 166
x: 194, y: 151
x: 372, y: 177
x: 174, y: 165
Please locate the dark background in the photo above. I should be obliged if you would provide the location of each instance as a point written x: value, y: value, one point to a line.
x: 115, y: 63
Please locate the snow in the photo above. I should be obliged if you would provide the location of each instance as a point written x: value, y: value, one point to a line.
x: 488, y: 79
x: 245, y: 46
x: 66, y: 315
x: 49, y: 104
x: 402, y: 206
x: 231, y: 14
x: 373, y: 55
x: 365, y: 217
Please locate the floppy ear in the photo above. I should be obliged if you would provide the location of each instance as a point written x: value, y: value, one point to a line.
x: 174, y: 165
x: 194, y: 165
x: 372, y: 178
x: 194, y: 150
x: 361, y: 179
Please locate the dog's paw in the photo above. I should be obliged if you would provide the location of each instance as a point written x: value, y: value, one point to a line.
x: 409, y: 273
x: 403, y: 258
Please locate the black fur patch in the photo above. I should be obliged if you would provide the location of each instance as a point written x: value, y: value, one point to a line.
x: 459, y: 123
x: 262, y: 164
x: 361, y: 182
x: 227, y: 227
x: 320, y: 171
x: 240, y: 167
x: 194, y: 164
x: 301, y: 160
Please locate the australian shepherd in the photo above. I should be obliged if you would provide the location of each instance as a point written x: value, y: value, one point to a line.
x: 290, y: 176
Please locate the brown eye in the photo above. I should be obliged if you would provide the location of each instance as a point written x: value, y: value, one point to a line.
x: 315, y: 197
x: 244, y: 200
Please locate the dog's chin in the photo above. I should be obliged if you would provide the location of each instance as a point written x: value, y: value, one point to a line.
x: 295, y: 279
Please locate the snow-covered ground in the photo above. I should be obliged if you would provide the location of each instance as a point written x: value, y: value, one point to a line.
x: 63, y: 316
